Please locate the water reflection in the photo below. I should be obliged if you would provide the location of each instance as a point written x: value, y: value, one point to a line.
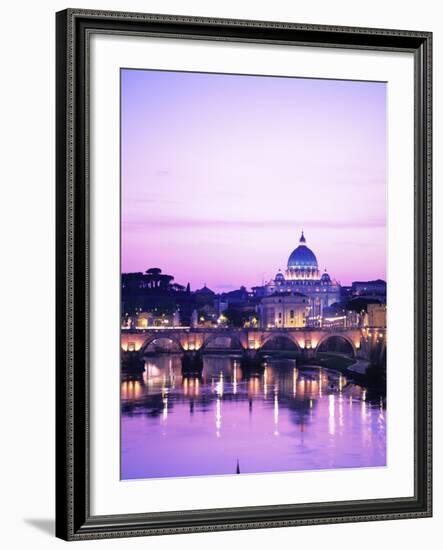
x: 286, y: 418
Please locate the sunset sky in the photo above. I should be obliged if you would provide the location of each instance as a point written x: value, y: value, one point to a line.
x: 221, y: 172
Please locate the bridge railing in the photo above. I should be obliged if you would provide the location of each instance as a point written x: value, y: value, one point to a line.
x: 141, y: 330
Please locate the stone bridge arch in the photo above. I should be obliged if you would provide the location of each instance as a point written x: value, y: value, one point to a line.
x: 340, y: 335
x: 151, y: 338
x: 232, y: 336
x: 291, y: 337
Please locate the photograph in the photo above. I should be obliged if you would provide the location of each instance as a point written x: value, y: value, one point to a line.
x: 253, y: 260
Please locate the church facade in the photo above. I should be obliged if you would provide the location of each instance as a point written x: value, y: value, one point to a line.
x: 297, y: 297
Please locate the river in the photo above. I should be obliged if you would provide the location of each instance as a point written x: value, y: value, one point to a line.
x: 288, y: 418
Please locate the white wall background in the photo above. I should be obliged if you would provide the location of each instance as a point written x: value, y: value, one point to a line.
x: 27, y: 276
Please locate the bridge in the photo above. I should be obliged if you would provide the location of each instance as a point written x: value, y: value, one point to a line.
x: 306, y: 341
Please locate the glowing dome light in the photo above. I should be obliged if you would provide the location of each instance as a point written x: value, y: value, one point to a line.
x: 302, y: 262
x: 302, y: 257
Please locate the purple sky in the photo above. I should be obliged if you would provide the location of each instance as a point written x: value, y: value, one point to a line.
x: 221, y: 172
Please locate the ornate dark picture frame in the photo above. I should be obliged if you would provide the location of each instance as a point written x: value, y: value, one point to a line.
x: 74, y: 29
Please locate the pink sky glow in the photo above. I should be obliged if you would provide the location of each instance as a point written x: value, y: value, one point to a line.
x: 221, y: 172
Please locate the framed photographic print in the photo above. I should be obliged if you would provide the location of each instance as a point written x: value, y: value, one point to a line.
x: 243, y: 274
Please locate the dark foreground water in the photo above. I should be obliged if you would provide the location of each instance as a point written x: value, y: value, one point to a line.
x: 285, y: 419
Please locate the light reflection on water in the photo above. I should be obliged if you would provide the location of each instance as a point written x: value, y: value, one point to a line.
x: 287, y: 418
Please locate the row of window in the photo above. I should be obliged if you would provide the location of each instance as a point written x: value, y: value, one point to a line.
x: 303, y: 282
x: 291, y: 314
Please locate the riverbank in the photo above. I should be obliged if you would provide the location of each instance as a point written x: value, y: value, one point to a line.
x: 359, y: 370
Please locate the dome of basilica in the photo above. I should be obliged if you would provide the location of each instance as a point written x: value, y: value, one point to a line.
x: 302, y: 257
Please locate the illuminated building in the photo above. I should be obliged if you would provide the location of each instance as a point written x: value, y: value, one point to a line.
x: 377, y: 315
x: 302, y: 277
x: 149, y: 319
x: 337, y: 317
x: 284, y: 310
x: 370, y: 289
